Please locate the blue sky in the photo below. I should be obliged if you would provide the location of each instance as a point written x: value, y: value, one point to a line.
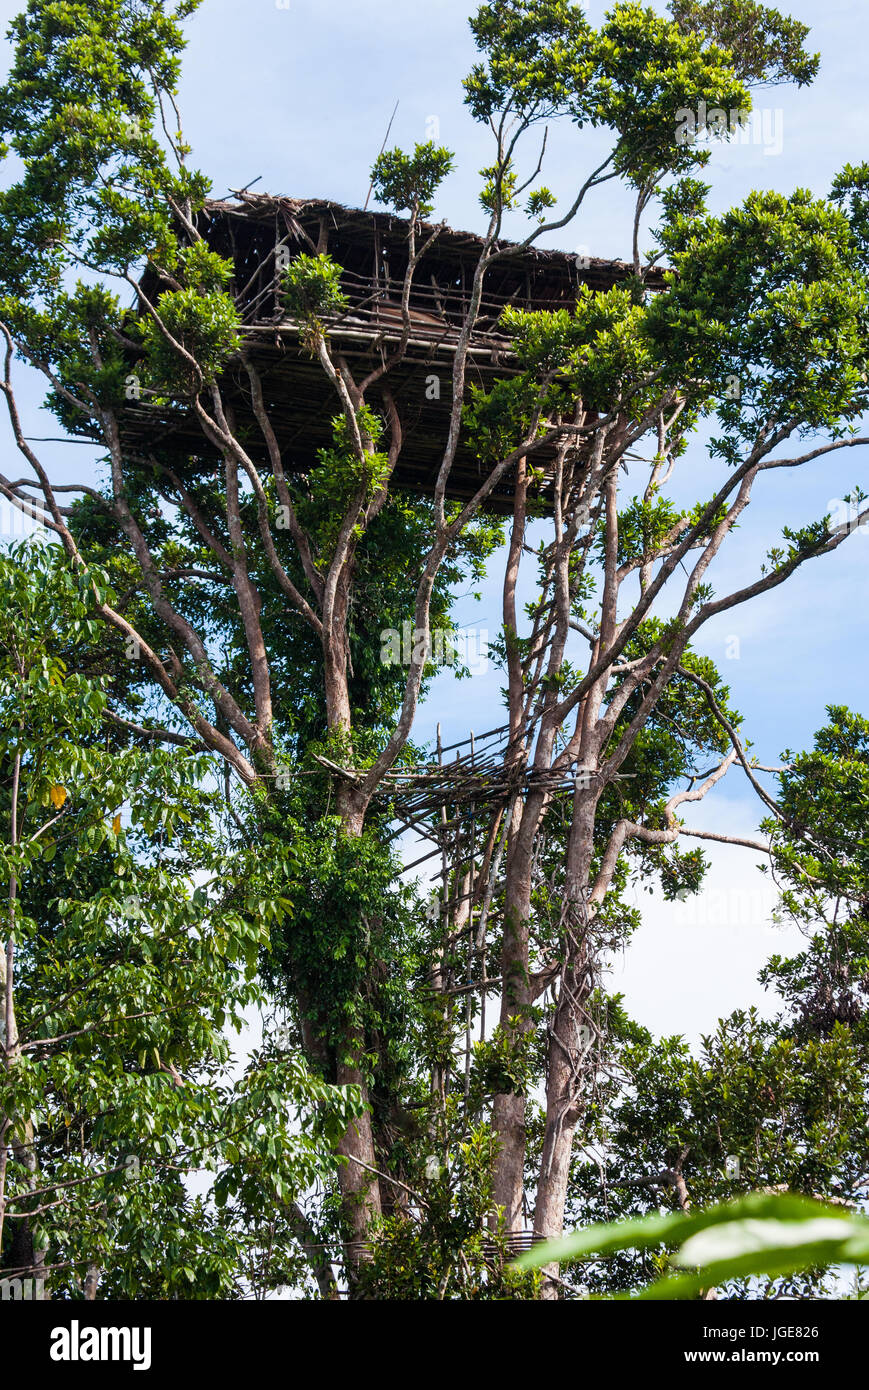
x: 299, y: 96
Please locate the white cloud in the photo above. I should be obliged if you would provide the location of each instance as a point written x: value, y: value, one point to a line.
x: 691, y: 963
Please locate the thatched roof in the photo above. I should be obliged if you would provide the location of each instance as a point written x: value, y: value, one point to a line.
x: 319, y: 224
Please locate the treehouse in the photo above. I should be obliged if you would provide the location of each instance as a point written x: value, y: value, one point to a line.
x: 372, y: 249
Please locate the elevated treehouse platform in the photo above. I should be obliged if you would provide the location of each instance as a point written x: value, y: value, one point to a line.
x: 372, y: 249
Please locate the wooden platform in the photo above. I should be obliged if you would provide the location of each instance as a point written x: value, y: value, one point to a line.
x: 372, y: 249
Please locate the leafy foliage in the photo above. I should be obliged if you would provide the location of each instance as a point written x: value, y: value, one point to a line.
x: 765, y: 46
x: 408, y: 182
x: 136, y: 942
x: 754, y: 1235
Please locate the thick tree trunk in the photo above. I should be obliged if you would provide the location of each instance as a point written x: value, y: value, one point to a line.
x: 563, y: 1109
x: 359, y: 1185
x: 360, y: 1189
x: 508, y: 1120
x: 508, y: 1111
x: 565, y: 1077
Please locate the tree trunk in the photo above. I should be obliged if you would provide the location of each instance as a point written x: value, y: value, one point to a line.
x: 563, y: 1109
x: 508, y: 1111
x: 360, y: 1189
x: 565, y: 1077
